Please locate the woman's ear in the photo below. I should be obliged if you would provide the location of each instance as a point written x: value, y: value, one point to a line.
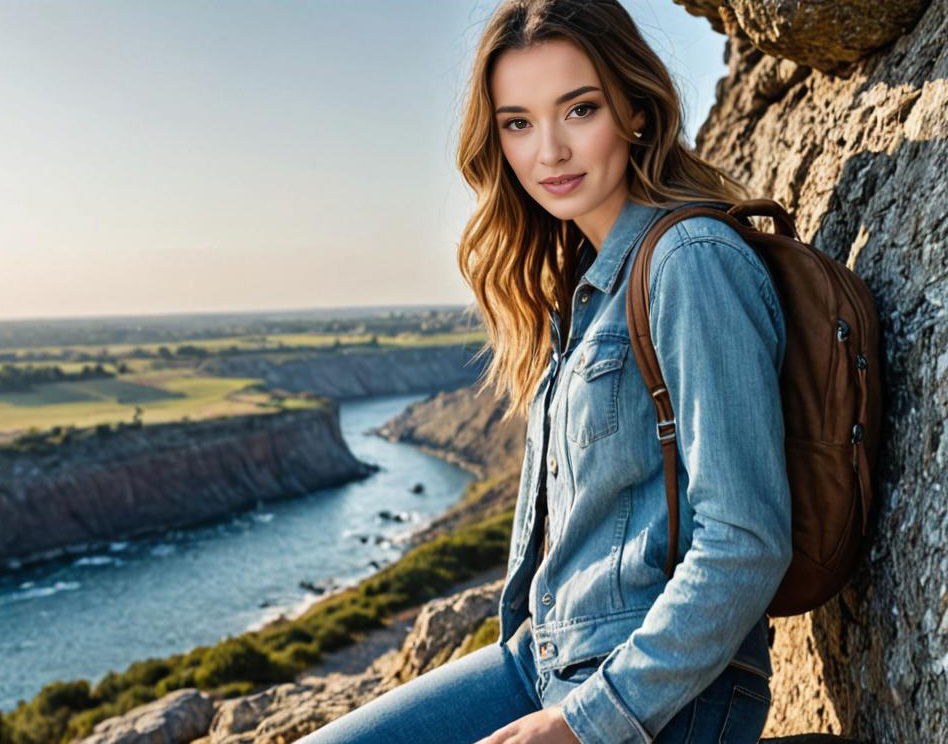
x: 639, y: 121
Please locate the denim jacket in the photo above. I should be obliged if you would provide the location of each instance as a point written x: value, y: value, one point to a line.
x: 619, y: 646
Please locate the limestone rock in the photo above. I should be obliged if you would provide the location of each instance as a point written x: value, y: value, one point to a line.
x: 825, y: 34
x: 177, y: 718
x: 441, y: 628
x: 859, y: 161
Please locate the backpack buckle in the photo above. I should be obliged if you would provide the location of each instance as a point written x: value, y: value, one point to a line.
x: 667, y: 435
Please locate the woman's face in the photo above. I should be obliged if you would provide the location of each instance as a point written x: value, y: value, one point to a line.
x: 554, y: 121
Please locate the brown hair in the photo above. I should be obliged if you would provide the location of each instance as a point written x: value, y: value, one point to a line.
x: 518, y: 258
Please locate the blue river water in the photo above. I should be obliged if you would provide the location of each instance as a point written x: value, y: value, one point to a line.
x: 78, y: 618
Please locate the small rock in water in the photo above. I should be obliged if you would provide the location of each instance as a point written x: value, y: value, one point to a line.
x: 418, y: 488
x: 310, y: 586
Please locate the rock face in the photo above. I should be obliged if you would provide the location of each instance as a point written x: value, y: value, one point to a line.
x: 357, y: 372
x: 860, y: 162
x: 825, y: 34
x: 177, y: 718
x: 137, y: 481
x: 463, y: 427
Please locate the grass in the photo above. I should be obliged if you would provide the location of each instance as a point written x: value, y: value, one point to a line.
x: 277, y: 653
x: 164, y: 397
x: 171, y: 393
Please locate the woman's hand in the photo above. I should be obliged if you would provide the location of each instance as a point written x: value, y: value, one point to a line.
x: 546, y: 726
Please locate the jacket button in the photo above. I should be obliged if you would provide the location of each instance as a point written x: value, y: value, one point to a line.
x: 547, y: 649
x: 582, y: 361
x: 584, y: 297
x: 551, y: 464
x: 547, y: 599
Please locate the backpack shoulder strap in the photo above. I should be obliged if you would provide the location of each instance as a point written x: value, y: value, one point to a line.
x: 640, y: 335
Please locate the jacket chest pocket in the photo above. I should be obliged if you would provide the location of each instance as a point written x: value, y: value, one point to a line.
x: 592, y: 398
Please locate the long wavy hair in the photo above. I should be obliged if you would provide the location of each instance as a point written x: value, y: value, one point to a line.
x: 518, y: 258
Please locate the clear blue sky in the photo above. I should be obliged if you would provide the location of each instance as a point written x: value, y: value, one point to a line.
x: 227, y: 155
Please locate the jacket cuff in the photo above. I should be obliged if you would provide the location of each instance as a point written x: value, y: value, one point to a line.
x: 596, y: 715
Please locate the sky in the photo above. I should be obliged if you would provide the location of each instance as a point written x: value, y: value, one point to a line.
x: 166, y: 156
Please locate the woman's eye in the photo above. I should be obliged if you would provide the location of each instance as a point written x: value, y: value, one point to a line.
x: 591, y: 107
x: 513, y: 121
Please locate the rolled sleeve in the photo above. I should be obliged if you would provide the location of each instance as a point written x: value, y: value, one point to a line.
x: 719, y: 337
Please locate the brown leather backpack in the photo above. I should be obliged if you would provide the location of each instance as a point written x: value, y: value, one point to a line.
x: 831, y: 395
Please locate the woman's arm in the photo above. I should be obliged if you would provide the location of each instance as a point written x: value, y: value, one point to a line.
x: 719, y: 338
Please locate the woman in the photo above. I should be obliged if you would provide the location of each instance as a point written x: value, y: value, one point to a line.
x: 571, y: 140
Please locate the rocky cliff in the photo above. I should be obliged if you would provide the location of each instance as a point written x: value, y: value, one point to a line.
x: 139, y: 480
x: 846, y: 124
x: 358, y: 371
x: 464, y: 427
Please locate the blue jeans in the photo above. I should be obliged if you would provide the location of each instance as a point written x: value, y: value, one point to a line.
x: 471, y: 697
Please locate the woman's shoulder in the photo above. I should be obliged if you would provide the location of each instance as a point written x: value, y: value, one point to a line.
x: 702, y: 246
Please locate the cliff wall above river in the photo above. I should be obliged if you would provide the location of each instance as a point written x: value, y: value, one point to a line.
x: 140, y: 480
x: 358, y: 371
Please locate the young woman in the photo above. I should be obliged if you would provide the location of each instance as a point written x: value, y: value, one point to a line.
x: 571, y: 139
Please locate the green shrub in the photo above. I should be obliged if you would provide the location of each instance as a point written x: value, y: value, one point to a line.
x: 148, y: 672
x: 81, y: 725
x: 71, y: 696
x: 236, y: 660
x: 300, y: 655
x: 278, y: 639
x: 180, y: 679
x: 135, y: 696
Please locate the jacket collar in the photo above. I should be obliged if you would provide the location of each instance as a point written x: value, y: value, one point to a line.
x: 625, y: 232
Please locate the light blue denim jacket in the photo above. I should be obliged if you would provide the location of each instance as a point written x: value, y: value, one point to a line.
x: 601, y: 595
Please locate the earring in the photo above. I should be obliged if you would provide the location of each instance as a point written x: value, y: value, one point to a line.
x: 638, y: 134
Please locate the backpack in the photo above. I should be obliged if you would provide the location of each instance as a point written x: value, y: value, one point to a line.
x: 831, y: 397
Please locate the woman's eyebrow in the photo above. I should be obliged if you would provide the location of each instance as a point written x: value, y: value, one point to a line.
x: 562, y: 99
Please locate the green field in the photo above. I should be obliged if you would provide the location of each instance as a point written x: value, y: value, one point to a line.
x: 163, y: 396
x: 168, y: 389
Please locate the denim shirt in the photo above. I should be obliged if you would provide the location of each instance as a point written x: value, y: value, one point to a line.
x: 600, y: 596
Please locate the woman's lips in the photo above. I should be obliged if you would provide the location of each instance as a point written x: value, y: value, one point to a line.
x: 563, y: 188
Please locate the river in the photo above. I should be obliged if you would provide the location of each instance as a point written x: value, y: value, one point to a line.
x: 78, y: 618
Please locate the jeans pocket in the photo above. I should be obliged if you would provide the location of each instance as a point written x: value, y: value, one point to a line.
x: 580, y: 670
x: 746, y: 716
